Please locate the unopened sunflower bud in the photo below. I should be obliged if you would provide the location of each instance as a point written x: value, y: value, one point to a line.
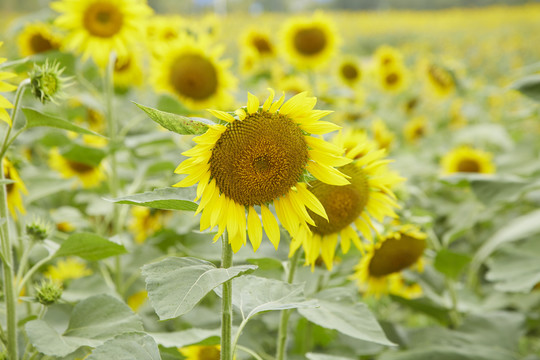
x: 38, y: 230
x: 46, y: 81
x: 48, y: 292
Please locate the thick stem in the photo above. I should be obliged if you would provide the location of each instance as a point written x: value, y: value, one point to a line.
x: 286, y: 314
x: 226, y: 302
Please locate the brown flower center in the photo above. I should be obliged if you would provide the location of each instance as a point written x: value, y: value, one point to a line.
x: 395, y: 255
x: 468, y: 165
x: 79, y: 167
x: 392, y: 78
x: 349, y: 72
x: 259, y: 159
x: 103, y: 19
x: 440, y: 76
x: 262, y: 45
x: 40, y: 44
x: 209, y: 353
x: 343, y: 204
x: 310, y: 41
x: 194, y: 76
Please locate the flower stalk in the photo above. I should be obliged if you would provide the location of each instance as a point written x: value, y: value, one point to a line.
x: 226, y: 302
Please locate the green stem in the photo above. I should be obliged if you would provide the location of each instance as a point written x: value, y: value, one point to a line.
x: 455, y: 317
x: 32, y: 270
x: 226, y: 302
x: 286, y: 314
x: 29, y: 344
x: 16, y: 106
x: 250, y: 352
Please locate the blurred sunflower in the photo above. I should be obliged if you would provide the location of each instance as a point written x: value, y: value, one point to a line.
x: 350, y: 208
x: 98, y: 27
x: 90, y: 175
x: 382, y: 135
x: 146, y: 221
x: 440, y: 80
x: 392, y: 78
x: 161, y: 31
x: 67, y: 269
x: 37, y: 38
x: 193, y: 72
x: 349, y: 71
x: 128, y: 71
x: 14, y: 190
x: 457, y: 117
x: 258, y: 159
x: 201, y: 352
x: 4, y: 103
x: 259, y: 41
x: 309, y: 42
x: 415, y: 129
x: 136, y: 300
x: 294, y: 84
x: 386, y: 56
x: 468, y: 160
x: 380, y: 269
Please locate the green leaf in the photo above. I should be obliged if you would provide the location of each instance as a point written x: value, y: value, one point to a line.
x: 89, y: 246
x: 253, y: 295
x: 170, y: 198
x: 179, y: 124
x: 187, y: 337
x: 40, y: 187
x: 519, y: 228
x: 93, y: 321
x: 516, y: 268
x: 425, y: 306
x: 529, y: 86
x: 84, y: 154
x: 175, y: 285
x: 451, y: 263
x: 127, y: 347
x: 354, y: 319
x: 36, y: 118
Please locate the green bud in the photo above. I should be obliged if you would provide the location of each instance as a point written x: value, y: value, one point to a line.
x: 48, y: 292
x: 46, y: 81
x: 38, y: 229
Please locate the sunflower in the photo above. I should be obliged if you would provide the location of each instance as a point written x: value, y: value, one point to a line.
x: 309, y: 42
x: 14, y: 189
x: 380, y: 269
x: 415, y: 129
x: 439, y: 79
x: 259, y: 41
x: 467, y: 160
x: 146, y: 222
x: 37, y: 38
x: 393, y: 78
x: 136, y: 300
x: 68, y: 269
x: 349, y: 71
x: 382, y: 135
x: 128, y: 71
x: 259, y: 158
x: 161, y: 31
x: 98, y: 27
x: 192, y: 71
x: 89, y: 175
x: 294, y: 84
x: 350, y: 208
x: 201, y: 352
x: 386, y: 56
x: 4, y: 103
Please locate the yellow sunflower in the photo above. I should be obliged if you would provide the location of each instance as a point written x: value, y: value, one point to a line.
x: 146, y: 222
x: 89, y: 175
x: 294, y: 84
x: 201, y: 352
x: 349, y: 71
x: 387, y: 56
x: 37, y: 38
x: 380, y: 269
x: 393, y: 78
x: 136, y: 300
x: 350, y: 208
x: 128, y: 71
x: 161, y: 31
x: 260, y: 41
x: 309, y: 42
x: 4, y: 103
x: 14, y: 190
x: 259, y: 158
x: 193, y: 72
x: 415, y: 129
x: 67, y: 269
x: 382, y: 135
x: 467, y: 160
x: 439, y: 79
x: 98, y: 27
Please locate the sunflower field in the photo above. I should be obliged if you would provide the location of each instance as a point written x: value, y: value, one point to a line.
x: 234, y: 184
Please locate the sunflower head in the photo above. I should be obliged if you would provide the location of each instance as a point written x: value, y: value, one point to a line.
x: 201, y: 352
x: 258, y: 158
x: 466, y: 159
x: 440, y: 80
x: 382, y: 135
x: 260, y: 42
x: 67, y: 269
x: 14, y: 190
x: 88, y: 174
x: 48, y: 292
x: 47, y: 83
x: 349, y: 72
x: 387, y: 56
x: 350, y: 208
x: 38, y: 229
x: 309, y: 42
x: 37, y: 38
x: 393, y: 78
x: 146, y: 222
x: 415, y: 129
x: 380, y: 269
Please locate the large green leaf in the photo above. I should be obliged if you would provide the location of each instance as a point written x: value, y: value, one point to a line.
x: 92, y: 322
x: 187, y: 337
x: 519, y: 228
x: 89, y: 246
x: 177, y: 123
x: 84, y: 154
x: 35, y: 118
x: 253, y: 295
x: 175, y: 285
x: 165, y: 198
x: 451, y: 263
x: 516, y: 268
x: 127, y: 347
x: 337, y: 311
x: 529, y: 86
